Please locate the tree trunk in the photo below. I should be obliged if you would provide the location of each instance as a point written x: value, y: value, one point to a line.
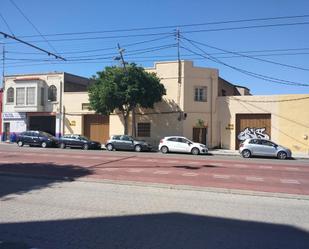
x: 125, y: 116
x: 133, y: 123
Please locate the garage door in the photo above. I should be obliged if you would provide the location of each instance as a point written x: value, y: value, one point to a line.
x: 252, y: 126
x: 96, y: 127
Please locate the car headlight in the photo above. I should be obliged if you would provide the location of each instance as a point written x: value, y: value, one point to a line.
x: 203, y: 146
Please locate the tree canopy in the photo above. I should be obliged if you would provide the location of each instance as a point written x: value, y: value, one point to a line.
x: 124, y: 89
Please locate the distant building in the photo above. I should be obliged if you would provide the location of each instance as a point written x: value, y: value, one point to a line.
x: 35, y: 101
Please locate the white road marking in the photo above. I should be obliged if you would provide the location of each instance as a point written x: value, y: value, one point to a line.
x: 240, y: 165
x: 189, y: 174
x: 193, y: 163
x: 4, y: 162
x: 216, y: 164
x: 222, y: 176
x: 265, y: 167
x: 289, y: 181
x: 292, y: 168
x: 254, y: 179
x: 132, y: 159
x: 109, y: 169
x: 151, y: 160
x: 161, y: 172
x: 95, y: 157
x: 134, y: 170
x: 172, y: 161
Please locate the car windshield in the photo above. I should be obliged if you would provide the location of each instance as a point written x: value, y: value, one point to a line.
x: 83, y: 138
x: 45, y: 134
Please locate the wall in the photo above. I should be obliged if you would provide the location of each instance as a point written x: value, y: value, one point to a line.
x: 288, y: 127
x: 73, y: 114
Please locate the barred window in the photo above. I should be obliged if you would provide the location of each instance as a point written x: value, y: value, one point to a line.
x: 143, y: 129
x: 52, y: 93
x: 86, y: 106
x: 200, y: 94
x: 30, y: 95
x: 10, y: 95
x: 20, y: 96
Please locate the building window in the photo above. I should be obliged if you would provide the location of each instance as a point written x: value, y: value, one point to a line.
x: 143, y: 129
x: 52, y: 93
x: 10, y: 95
x: 223, y: 92
x: 30, y: 95
x: 200, y: 94
x: 20, y: 96
x: 86, y: 106
x: 42, y: 96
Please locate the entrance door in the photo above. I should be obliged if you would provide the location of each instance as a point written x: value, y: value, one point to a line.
x: 96, y: 127
x: 200, y: 135
x: 6, y: 131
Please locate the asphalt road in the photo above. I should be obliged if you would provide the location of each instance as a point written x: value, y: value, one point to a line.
x: 220, y: 173
x: 49, y: 214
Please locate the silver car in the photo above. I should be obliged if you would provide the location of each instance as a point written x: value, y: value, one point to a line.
x: 124, y: 142
x: 262, y: 147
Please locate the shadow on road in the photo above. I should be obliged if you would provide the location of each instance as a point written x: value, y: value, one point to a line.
x: 155, y: 231
x: 48, y: 172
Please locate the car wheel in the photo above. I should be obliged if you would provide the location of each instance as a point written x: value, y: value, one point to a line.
x: 138, y: 148
x: 62, y: 146
x: 86, y: 147
x: 20, y: 143
x: 109, y: 147
x: 282, y: 155
x: 195, y: 151
x: 164, y: 149
x: 246, y: 153
x: 44, y: 144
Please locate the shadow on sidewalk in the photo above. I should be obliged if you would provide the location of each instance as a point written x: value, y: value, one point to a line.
x: 47, y: 174
x: 155, y: 231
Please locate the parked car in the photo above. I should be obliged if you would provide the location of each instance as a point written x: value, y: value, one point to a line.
x: 262, y: 147
x: 181, y: 144
x: 124, y: 142
x: 36, y: 138
x: 78, y: 141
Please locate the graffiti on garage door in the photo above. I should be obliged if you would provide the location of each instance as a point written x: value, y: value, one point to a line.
x: 252, y: 133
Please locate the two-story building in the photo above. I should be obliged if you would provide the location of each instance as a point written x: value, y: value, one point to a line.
x: 198, y: 104
x: 35, y: 101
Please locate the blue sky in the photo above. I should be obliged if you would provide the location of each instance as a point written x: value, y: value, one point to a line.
x: 88, y: 53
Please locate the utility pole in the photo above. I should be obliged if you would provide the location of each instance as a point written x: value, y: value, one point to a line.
x: 121, y: 50
x: 3, y: 63
x: 179, y: 73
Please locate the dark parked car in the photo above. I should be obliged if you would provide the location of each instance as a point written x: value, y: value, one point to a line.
x: 36, y: 138
x: 124, y: 142
x: 78, y: 141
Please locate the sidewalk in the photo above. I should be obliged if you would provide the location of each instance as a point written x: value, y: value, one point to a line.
x: 223, y: 152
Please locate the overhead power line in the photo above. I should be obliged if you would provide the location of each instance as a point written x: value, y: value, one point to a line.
x: 172, y: 26
x: 269, y: 101
x: 31, y: 23
x: 7, y: 25
x: 31, y: 45
x: 171, y: 33
x: 249, y: 56
x: 252, y: 74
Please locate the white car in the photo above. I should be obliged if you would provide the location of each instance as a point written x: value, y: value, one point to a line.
x: 181, y: 144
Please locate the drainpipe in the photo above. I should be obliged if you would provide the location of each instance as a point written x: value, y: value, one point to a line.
x: 60, y: 110
x: 211, y: 104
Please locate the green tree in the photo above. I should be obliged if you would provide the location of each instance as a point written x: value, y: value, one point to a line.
x: 124, y: 89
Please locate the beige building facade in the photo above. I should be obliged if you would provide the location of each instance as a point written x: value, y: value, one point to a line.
x: 198, y: 104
